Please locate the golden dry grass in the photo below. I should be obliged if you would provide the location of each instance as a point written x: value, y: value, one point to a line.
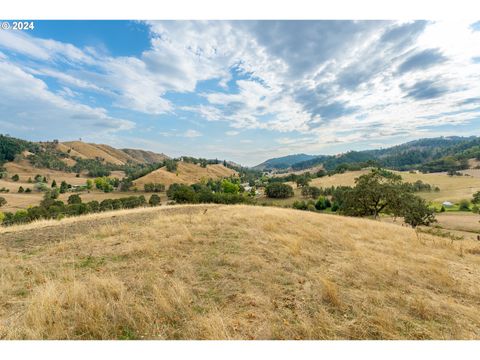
x: 186, y: 173
x: 463, y: 221
x: 452, y: 188
x: 92, y: 151
x: 234, y: 272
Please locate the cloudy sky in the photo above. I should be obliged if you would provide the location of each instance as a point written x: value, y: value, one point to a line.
x: 241, y: 90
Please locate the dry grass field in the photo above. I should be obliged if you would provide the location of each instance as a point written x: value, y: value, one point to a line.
x: 108, y: 153
x: 25, y: 170
x: 186, y: 173
x: 462, y: 221
x: 92, y: 151
x: 234, y: 272
x: 452, y: 188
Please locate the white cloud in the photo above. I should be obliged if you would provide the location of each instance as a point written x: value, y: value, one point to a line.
x: 190, y: 133
x: 317, y: 82
x: 32, y: 105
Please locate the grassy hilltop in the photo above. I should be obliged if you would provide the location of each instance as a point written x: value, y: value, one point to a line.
x: 234, y: 272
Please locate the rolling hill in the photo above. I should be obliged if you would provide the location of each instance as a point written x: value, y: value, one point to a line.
x: 430, y: 155
x: 187, y: 173
x: 234, y: 272
x: 109, y: 154
x: 284, y: 161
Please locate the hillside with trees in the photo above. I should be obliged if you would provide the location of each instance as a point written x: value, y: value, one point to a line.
x: 426, y: 155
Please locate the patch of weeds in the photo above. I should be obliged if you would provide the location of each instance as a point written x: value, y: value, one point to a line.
x: 90, y: 262
x: 21, y: 292
x: 128, y: 334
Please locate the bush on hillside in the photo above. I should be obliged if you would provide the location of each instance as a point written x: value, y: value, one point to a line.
x: 279, y: 191
x: 464, y: 205
x: 74, y: 199
x: 154, y: 200
x: 154, y: 187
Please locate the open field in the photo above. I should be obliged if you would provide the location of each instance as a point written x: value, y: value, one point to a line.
x: 462, y: 221
x: 452, y: 188
x: 234, y: 272
x: 16, y: 201
x: 187, y: 173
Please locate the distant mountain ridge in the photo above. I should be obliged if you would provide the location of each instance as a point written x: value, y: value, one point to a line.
x: 429, y: 154
x: 284, y: 161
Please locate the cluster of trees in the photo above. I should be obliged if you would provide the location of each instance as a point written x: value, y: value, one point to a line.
x: 278, y: 190
x: 219, y: 192
x: 106, y: 184
x: 52, y: 208
x: 171, y: 165
x: 428, y: 155
x: 322, y: 203
x: 154, y: 187
x: 419, y: 186
x: 136, y: 171
x: 449, y: 164
x: 10, y: 147
x: 379, y: 191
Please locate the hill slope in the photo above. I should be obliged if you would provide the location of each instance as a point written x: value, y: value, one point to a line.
x: 284, y: 161
x: 188, y: 173
x: 430, y: 155
x: 110, y: 154
x: 234, y: 272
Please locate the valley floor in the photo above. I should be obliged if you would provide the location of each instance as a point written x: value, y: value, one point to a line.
x: 234, y: 272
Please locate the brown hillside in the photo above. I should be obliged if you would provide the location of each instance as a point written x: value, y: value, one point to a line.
x: 234, y: 272
x: 187, y: 174
x: 92, y: 151
x: 145, y: 156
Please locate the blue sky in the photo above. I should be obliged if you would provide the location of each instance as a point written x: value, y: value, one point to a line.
x: 241, y: 90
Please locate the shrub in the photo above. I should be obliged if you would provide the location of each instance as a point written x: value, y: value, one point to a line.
x: 322, y: 203
x: 184, y: 194
x: 40, y: 186
x: 154, y: 187
x: 475, y: 209
x: 300, y: 205
x: 335, y: 207
x: 171, y: 165
x: 2, y: 216
x: 54, y: 184
x: 229, y: 187
x: 74, y: 199
x: 21, y: 190
x: 28, y: 190
x: 311, y: 207
x: 3, y: 202
x: 278, y: 190
x: 154, y: 200
x: 89, y: 184
x: 464, y: 205
x: 311, y: 191
x: 15, y: 177
x: 476, y: 198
